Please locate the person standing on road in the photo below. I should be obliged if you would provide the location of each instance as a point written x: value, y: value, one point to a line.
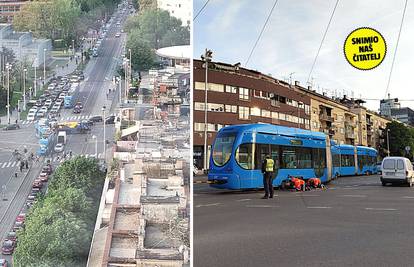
x: 268, y: 166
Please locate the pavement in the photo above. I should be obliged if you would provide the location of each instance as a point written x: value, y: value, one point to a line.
x: 355, y: 222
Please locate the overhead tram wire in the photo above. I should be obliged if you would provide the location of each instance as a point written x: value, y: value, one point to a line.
x: 323, y: 39
x: 201, y: 9
x: 396, y: 48
x: 261, y: 32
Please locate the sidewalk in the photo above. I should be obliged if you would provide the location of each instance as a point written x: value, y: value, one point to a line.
x: 58, y: 72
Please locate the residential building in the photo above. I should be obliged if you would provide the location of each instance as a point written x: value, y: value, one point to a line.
x: 24, y: 46
x: 9, y: 8
x: 387, y: 104
x: 237, y: 95
x: 181, y: 9
x: 405, y: 115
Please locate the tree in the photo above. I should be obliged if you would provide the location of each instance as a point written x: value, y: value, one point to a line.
x: 143, y: 57
x: 400, y: 136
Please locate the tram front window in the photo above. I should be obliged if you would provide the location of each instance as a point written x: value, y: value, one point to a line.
x: 222, y: 148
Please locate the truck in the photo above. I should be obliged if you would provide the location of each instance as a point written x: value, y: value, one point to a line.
x: 61, y: 137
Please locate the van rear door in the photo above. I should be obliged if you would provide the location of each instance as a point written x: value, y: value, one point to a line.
x: 400, y: 170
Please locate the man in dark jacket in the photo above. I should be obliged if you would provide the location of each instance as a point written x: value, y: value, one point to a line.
x: 268, y: 166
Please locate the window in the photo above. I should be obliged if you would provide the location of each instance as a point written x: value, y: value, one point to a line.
x: 231, y: 89
x: 211, y: 127
x: 244, y: 156
x: 198, y: 127
x: 400, y: 164
x: 307, y: 109
x: 199, y: 106
x: 314, y: 124
x: 288, y: 158
x: 211, y: 87
x: 266, y: 113
x: 275, y: 115
x: 389, y: 164
x: 282, y: 116
x: 262, y: 150
x: 244, y: 113
x: 230, y: 108
x: 255, y: 112
x: 347, y: 161
x: 223, y: 146
x: 215, y: 107
x: 243, y: 93
x: 304, y: 156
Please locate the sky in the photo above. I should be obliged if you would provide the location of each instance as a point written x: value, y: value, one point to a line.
x: 292, y: 37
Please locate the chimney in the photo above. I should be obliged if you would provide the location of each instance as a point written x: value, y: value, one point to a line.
x: 296, y: 83
x: 309, y: 87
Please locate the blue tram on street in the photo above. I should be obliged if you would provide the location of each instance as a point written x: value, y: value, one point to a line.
x: 238, y: 151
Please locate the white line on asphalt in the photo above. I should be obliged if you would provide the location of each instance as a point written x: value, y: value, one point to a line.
x: 14, y: 163
x: 353, y: 196
x: 299, y: 195
x: 207, y: 205
x: 319, y: 207
x: 261, y: 206
x: 8, y: 165
x: 4, y: 165
x: 380, y: 209
x: 407, y: 197
x: 244, y: 199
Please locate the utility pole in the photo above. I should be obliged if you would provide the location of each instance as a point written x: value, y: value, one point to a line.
x: 8, y: 67
x: 207, y: 57
x: 388, y: 142
x: 35, y: 78
x: 24, y: 89
x: 104, y: 132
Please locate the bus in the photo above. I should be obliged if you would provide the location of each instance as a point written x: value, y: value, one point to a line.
x: 238, y: 152
x: 70, y: 99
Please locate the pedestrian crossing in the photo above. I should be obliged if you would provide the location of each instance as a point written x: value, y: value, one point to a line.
x: 56, y: 159
x: 68, y: 118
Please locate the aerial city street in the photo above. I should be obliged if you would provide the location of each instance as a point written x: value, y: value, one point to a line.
x: 303, y: 133
x: 95, y: 133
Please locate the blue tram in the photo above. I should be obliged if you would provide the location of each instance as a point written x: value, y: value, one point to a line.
x: 238, y: 151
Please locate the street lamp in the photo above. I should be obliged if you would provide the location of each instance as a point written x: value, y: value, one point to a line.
x: 24, y: 89
x: 96, y: 145
x: 118, y: 84
x: 8, y: 67
x: 44, y: 65
x: 207, y: 57
x: 388, y: 142
x: 126, y: 81
x: 104, y: 132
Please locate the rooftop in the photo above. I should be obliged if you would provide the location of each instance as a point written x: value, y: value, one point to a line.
x: 175, y: 52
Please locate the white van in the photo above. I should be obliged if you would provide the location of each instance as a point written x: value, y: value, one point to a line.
x: 31, y: 116
x: 397, y: 170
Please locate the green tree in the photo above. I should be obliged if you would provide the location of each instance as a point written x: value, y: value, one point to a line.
x: 143, y: 57
x: 400, y: 136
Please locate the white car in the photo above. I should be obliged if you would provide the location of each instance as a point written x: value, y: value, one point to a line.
x: 43, y: 109
x: 118, y: 35
x: 59, y: 148
x: 397, y: 170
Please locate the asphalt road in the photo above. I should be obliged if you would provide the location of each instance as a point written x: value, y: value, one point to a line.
x: 98, y: 74
x: 355, y: 222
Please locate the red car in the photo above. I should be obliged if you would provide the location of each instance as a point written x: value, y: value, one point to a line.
x: 21, y: 217
x: 37, y: 184
x: 8, y: 247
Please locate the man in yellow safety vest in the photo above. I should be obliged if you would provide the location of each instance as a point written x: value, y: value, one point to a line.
x: 268, y: 166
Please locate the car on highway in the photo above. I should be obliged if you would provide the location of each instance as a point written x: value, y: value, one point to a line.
x: 79, y: 105
x: 95, y: 119
x: 11, y: 127
x: 44, y: 177
x: 95, y: 53
x: 59, y: 148
x: 4, y: 263
x: 8, y: 247
x: 21, y: 217
x: 18, y: 225
x: 118, y: 34
x: 40, y: 114
x: 54, y: 110
x: 76, y: 110
x: 397, y: 170
x: 44, y: 109
x: 37, y: 184
x: 87, y: 123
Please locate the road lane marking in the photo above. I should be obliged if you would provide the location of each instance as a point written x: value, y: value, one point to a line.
x: 261, y: 206
x: 244, y: 199
x: 300, y: 195
x: 8, y: 165
x: 353, y: 196
x: 4, y: 165
x: 207, y: 205
x: 381, y: 209
x: 319, y: 207
x: 14, y: 163
x: 407, y: 197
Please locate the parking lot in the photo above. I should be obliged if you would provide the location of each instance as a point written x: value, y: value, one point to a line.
x: 354, y: 222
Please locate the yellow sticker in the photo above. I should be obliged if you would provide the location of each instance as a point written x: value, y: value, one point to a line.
x: 365, y: 48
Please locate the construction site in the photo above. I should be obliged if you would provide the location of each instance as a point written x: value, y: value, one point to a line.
x: 143, y: 218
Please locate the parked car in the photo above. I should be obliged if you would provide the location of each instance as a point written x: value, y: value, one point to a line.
x: 11, y: 236
x: 110, y: 119
x: 8, y: 247
x: 47, y: 169
x: 18, y: 225
x: 21, y: 217
x: 379, y: 167
x: 59, y: 148
x: 397, y: 170
x: 11, y: 127
x: 43, y: 176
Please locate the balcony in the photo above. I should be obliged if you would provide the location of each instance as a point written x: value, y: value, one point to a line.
x: 369, y: 122
x: 350, y: 124
x: 328, y: 131
x: 325, y: 117
x: 349, y: 135
x: 370, y: 131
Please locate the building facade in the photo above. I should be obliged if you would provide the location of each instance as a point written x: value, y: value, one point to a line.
x: 237, y: 96
x: 405, y: 115
x: 181, y: 9
x: 9, y: 8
